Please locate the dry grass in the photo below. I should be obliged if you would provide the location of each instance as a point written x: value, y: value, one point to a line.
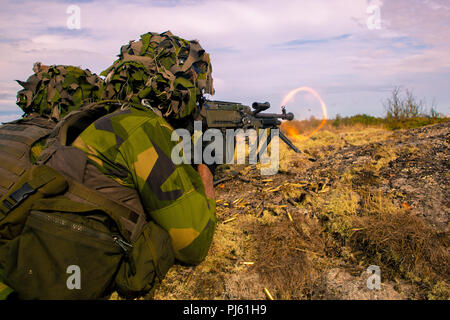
x: 349, y: 225
x: 369, y: 227
x: 289, y: 254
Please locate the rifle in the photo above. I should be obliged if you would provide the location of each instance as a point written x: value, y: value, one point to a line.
x: 233, y: 115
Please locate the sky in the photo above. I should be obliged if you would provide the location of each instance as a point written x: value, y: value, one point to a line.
x: 351, y: 52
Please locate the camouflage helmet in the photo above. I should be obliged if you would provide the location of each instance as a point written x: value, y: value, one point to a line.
x: 53, y: 91
x: 168, y: 71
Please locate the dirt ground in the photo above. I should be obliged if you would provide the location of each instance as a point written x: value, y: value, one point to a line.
x: 372, y: 197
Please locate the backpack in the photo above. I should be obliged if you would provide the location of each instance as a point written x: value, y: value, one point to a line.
x: 60, y: 238
x: 16, y: 140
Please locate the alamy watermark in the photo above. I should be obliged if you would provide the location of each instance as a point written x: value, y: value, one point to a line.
x: 74, y: 280
x: 374, y: 280
x: 74, y: 19
x: 225, y: 147
x: 374, y: 11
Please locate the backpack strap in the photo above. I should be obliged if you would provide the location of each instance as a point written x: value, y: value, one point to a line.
x: 125, y: 218
x: 74, y: 123
x: 128, y: 221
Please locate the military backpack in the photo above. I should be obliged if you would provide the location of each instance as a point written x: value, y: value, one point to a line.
x: 66, y: 230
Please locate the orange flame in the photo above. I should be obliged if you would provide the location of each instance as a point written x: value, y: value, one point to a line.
x: 291, y: 130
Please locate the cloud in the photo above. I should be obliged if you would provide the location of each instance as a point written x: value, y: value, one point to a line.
x: 260, y: 49
x: 300, y: 42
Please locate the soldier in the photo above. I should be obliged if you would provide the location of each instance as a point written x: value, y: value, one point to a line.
x: 115, y: 156
x: 160, y: 79
x: 47, y: 96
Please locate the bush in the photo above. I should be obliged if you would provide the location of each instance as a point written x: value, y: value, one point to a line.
x: 357, y: 119
x: 409, y: 123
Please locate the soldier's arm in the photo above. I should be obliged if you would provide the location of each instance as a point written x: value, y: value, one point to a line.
x: 177, y: 197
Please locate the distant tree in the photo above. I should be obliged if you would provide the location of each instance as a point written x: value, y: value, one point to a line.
x: 393, y: 104
x: 402, y: 107
x: 411, y: 107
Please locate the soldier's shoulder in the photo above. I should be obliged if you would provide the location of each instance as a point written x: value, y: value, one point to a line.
x: 129, y: 120
x: 150, y: 120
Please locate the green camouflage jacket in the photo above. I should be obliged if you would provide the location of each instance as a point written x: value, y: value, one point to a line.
x: 133, y: 147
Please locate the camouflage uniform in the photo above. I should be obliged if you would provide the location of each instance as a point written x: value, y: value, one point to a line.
x: 54, y: 91
x: 168, y: 71
x: 133, y: 147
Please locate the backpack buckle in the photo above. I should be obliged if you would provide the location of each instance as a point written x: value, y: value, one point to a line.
x: 18, y: 196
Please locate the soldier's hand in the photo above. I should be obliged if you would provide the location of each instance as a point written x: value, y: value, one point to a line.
x: 207, y: 178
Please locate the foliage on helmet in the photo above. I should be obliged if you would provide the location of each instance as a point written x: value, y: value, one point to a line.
x: 168, y: 71
x: 53, y: 91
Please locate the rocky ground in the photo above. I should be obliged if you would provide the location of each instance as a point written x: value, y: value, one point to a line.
x: 372, y: 197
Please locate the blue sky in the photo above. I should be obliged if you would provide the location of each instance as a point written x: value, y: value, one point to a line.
x: 260, y: 49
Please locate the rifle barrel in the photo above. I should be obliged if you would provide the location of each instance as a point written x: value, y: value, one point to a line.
x: 284, y: 116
